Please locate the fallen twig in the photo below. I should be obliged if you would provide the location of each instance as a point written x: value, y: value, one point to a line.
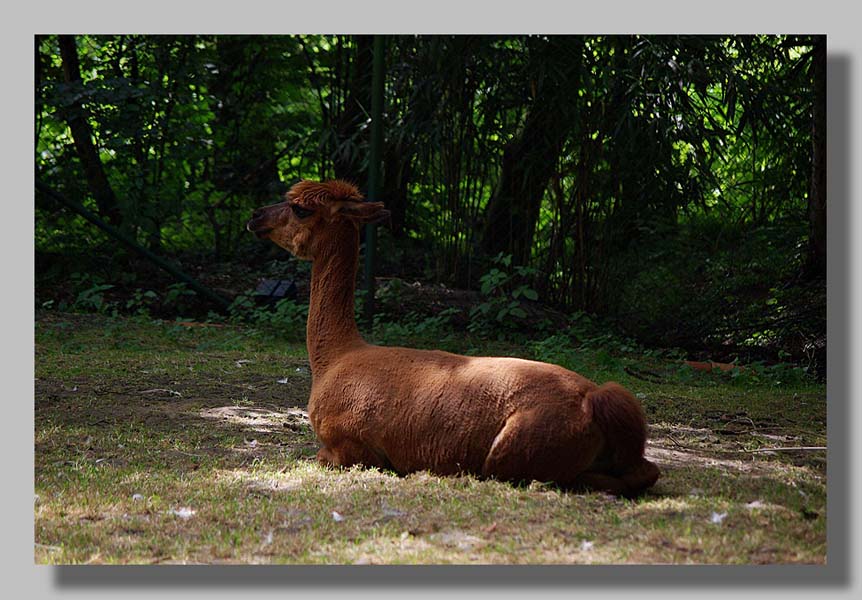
x: 738, y: 419
x: 195, y: 324
x: 157, y: 390
x: 644, y: 375
x: 788, y: 449
x: 676, y: 443
x: 186, y: 453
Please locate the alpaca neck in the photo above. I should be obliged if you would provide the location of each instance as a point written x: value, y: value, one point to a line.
x: 331, y: 327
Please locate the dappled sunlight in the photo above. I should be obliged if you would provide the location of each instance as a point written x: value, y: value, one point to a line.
x: 670, y: 457
x: 307, y: 474
x: 662, y: 505
x: 673, y: 446
x: 255, y: 418
x: 294, y: 477
x: 135, y: 477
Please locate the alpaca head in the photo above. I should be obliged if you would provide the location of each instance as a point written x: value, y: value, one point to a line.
x: 313, y: 214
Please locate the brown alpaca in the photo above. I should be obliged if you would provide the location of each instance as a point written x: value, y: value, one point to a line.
x: 411, y: 410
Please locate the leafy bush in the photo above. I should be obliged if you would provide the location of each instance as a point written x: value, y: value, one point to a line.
x: 714, y: 284
x: 178, y: 296
x: 92, y: 299
x: 141, y: 302
x: 504, y: 289
x: 433, y: 331
x: 286, y: 318
x: 557, y: 349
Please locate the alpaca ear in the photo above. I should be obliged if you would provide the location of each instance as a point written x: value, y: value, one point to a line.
x: 362, y: 212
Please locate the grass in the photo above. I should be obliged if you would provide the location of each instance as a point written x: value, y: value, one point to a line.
x: 162, y: 443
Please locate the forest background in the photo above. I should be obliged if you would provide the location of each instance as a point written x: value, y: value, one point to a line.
x: 668, y: 191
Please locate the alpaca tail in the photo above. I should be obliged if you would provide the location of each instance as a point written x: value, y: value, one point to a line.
x: 620, y: 418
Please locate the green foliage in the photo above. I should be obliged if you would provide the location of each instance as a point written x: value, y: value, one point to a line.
x: 196, y: 130
x: 718, y: 284
x: 93, y: 299
x: 675, y: 203
x: 504, y: 289
x: 588, y: 346
x: 435, y: 331
x: 558, y: 349
x: 178, y: 296
x: 90, y: 296
x: 141, y: 302
x: 286, y: 319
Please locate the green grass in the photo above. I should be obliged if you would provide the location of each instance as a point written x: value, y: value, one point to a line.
x: 137, y: 421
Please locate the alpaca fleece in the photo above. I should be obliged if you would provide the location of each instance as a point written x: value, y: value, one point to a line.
x: 409, y: 410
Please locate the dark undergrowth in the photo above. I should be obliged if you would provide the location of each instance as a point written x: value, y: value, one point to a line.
x: 707, y: 293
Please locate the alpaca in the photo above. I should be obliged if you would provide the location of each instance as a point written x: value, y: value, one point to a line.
x: 410, y: 410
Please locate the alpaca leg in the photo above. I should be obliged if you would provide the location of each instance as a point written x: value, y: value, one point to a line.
x: 536, y: 445
x: 641, y: 476
x: 326, y: 458
x: 629, y: 483
x: 348, y: 453
x: 601, y: 482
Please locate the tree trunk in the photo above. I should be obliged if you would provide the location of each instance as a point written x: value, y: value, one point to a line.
x: 245, y: 159
x: 397, y: 171
x: 245, y: 164
x: 82, y: 136
x: 38, y: 95
x: 816, y: 266
x: 513, y: 209
x: 355, y: 111
x: 529, y: 159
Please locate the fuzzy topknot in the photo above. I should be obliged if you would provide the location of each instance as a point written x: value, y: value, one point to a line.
x: 311, y: 194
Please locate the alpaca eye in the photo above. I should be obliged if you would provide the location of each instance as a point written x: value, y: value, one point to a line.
x: 301, y: 212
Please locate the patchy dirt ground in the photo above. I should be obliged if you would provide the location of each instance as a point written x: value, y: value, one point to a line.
x: 157, y: 443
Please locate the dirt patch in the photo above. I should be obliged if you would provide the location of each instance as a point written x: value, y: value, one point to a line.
x: 743, y: 449
x: 172, y: 393
x: 186, y: 419
x: 668, y: 457
x: 260, y: 420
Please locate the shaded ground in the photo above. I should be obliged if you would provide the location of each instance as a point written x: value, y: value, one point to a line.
x: 162, y: 443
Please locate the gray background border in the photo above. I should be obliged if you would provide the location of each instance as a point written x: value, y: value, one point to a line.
x: 836, y: 18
